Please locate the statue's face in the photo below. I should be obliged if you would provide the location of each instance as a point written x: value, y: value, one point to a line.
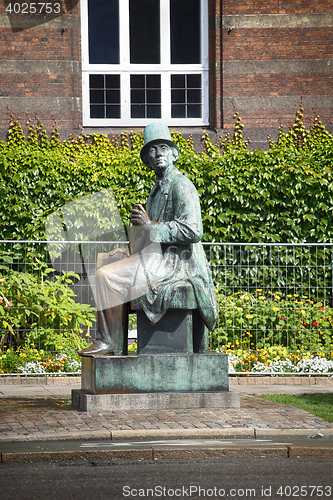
x: 160, y: 157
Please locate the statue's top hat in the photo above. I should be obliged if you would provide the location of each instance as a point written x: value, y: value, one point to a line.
x: 156, y: 131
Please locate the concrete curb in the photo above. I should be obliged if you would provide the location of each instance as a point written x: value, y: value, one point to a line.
x: 164, y: 434
x: 185, y: 453
x: 33, y: 381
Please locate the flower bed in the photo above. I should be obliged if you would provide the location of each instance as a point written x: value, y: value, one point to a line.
x: 38, y: 362
x: 277, y: 359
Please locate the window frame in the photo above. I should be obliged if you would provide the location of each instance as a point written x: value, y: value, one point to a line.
x: 125, y: 69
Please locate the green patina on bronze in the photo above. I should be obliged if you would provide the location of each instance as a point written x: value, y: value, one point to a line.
x: 166, y: 259
x: 155, y: 373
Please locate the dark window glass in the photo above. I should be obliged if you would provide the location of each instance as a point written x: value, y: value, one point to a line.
x: 144, y: 31
x: 145, y: 96
x: 138, y: 81
x: 103, y: 30
x: 178, y: 81
x: 97, y: 96
x: 185, y: 96
x: 96, y: 81
x: 193, y: 111
x: 185, y: 31
x: 96, y: 111
x: 153, y: 81
x: 178, y: 111
x: 194, y: 81
x: 104, y: 93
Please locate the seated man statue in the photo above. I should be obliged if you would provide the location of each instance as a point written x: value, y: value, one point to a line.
x: 168, y: 255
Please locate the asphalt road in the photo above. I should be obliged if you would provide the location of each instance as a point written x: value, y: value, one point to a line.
x: 227, y: 478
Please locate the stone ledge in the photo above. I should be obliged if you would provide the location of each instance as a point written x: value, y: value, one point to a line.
x: 153, y: 401
x: 33, y: 381
x: 271, y: 380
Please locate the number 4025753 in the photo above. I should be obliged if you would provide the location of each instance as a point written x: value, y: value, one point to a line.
x: 34, y: 8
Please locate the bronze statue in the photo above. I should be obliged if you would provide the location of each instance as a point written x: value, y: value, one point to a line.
x: 169, y: 253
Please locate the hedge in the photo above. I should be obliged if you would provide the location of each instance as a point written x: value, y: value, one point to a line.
x: 283, y: 194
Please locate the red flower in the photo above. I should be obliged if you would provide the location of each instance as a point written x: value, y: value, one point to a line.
x: 325, y: 319
x: 305, y: 325
x: 321, y: 309
x: 283, y: 319
x: 315, y: 323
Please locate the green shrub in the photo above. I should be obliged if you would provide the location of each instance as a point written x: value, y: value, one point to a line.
x: 38, y: 311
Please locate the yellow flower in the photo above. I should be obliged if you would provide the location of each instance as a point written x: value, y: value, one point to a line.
x: 296, y: 295
x: 261, y: 297
x: 289, y: 296
x: 259, y: 290
x: 249, y: 316
x: 275, y: 309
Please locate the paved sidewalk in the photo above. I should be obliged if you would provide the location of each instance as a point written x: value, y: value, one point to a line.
x: 43, y: 412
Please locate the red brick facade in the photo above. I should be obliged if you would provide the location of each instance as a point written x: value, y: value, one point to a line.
x: 264, y: 56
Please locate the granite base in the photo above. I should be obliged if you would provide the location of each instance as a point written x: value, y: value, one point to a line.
x: 82, y: 400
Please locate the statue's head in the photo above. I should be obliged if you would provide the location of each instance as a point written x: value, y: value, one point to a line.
x: 157, y: 133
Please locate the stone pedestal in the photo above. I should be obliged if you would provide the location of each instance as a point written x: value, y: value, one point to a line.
x: 154, y: 381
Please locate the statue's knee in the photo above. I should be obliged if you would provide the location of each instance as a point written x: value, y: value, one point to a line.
x: 100, y: 275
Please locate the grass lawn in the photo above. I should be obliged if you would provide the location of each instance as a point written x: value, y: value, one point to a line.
x: 320, y: 405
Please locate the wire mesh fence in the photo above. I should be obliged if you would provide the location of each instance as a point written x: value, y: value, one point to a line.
x: 274, y: 301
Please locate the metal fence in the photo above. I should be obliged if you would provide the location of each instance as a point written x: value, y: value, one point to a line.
x: 274, y: 300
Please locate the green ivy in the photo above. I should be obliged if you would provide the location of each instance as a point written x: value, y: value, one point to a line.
x: 283, y: 194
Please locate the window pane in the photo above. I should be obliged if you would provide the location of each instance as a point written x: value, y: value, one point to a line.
x: 185, y: 31
x: 103, y: 29
x: 113, y: 96
x: 194, y: 81
x: 137, y: 81
x: 153, y: 96
x: 178, y: 81
x: 96, y: 81
x: 193, y: 111
x: 153, y: 111
x: 137, y: 111
x: 96, y: 111
x: 178, y: 111
x: 144, y: 31
x: 138, y: 96
x: 112, y: 112
x: 178, y: 96
x: 194, y: 96
x: 97, y: 96
x: 153, y: 81
x: 104, y: 94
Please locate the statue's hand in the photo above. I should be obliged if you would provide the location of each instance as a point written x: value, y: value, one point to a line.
x: 120, y: 253
x: 140, y: 217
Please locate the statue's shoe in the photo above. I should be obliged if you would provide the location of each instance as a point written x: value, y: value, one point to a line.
x: 97, y: 348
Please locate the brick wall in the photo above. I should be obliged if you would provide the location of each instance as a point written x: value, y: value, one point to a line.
x: 275, y: 53
x: 40, y: 67
x: 264, y: 56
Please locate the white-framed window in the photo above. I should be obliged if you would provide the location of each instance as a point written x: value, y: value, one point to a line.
x: 145, y: 60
